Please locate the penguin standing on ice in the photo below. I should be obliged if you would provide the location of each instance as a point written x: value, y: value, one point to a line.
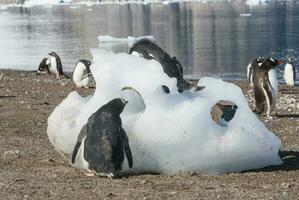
x: 55, y: 65
x: 289, y: 73
x: 82, y: 75
x: 102, y: 142
x: 263, y: 91
x: 171, y: 66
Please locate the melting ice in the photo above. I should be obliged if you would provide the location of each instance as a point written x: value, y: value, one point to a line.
x: 168, y: 133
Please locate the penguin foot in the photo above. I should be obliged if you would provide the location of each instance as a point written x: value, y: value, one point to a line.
x: 89, y: 174
x: 198, y: 88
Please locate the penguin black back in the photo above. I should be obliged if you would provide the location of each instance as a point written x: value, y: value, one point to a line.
x: 171, y: 66
x: 149, y: 50
x: 43, y: 65
x: 262, y: 88
x: 106, y: 141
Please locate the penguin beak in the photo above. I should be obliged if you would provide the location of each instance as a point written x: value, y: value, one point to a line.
x: 279, y: 62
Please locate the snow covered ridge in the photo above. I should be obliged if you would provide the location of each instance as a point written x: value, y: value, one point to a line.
x: 173, y: 132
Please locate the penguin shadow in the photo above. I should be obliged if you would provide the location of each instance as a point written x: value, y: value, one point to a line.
x: 7, y: 97
x: 290, y: 163
x: 294, y: 116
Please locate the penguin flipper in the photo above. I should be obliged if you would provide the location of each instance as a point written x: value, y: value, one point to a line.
x: 127, y: 148
x: 81, y: 135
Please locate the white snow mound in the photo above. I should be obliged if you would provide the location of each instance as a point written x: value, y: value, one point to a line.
x: 173, y: 132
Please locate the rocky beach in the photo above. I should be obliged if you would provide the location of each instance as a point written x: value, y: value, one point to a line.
x: 32, y: 169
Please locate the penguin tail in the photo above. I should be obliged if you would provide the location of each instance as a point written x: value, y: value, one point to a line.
x: 75, y: 152
x: 129, y: 155
x: 66, y: 76
x: 127, y: 148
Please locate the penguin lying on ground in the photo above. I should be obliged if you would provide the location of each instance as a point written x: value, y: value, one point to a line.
x: 263, y: 91
x: 228, y: 113
x: 44, y: 65
x: 171, y: 66
x: 289, y: 73
x: 102, y: 141
x: 82, y: 75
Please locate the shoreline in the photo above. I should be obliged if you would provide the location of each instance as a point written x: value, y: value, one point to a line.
x: 32, y: 169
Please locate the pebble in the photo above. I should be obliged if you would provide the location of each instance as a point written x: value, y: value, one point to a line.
x: 285, y: 185
x: 11, y: 155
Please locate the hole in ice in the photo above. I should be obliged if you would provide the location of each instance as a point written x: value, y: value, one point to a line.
x: 223, y: 112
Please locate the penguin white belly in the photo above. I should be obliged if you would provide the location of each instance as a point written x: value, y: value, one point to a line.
x: 80, y: 77
x: 80, y: 162
x: 249, y: 73
x: 53, y: 65
x: 267, y: 101
x: 274, y: 86
x: 289, y: 75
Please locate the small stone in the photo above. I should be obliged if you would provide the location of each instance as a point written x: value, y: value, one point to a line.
x: 173, y: 192
x: 285, y: 185
x: 11, y: 154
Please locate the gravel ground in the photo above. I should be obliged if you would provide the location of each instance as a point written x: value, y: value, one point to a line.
x: 32, y: 169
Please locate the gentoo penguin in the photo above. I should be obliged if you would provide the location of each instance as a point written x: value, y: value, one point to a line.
x: 228, y: 112
x: 44, y: 65
x: 56, y: 65
x: 82, y: 75
x: 272, y: 74
x: 250, y: 69
x: 171, y: 66
x: 289, y: 73
x: 102, y: 142
x: 263, y: 91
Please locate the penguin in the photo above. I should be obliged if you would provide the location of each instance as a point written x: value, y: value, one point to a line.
x: 263, y: 91
x: 171, y: 66
x: 44, y: 65
x: 56, y: 65
x: 228, y: 113
x: 250, y: 69
x: 102, y: 142
x: 272, y: 74
x: 82, y: 75
x: 289, y: 73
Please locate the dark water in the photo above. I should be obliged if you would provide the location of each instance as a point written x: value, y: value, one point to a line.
x: 208, y: 38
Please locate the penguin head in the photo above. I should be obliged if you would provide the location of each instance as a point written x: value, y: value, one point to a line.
x: 290, y: 60
x: 52, y: 53
x: 260, y: 59
x: 115, y: 106
x: 228, y: 110
x: 87, y: 64
x: 270, y: 63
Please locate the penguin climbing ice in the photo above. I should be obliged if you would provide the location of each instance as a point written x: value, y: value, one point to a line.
x: 171, y: 66
x: 102, y: 141
x: 82, y: 75
x: 289, y: 73
x: 55, y: 65
x: 263, y: 92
